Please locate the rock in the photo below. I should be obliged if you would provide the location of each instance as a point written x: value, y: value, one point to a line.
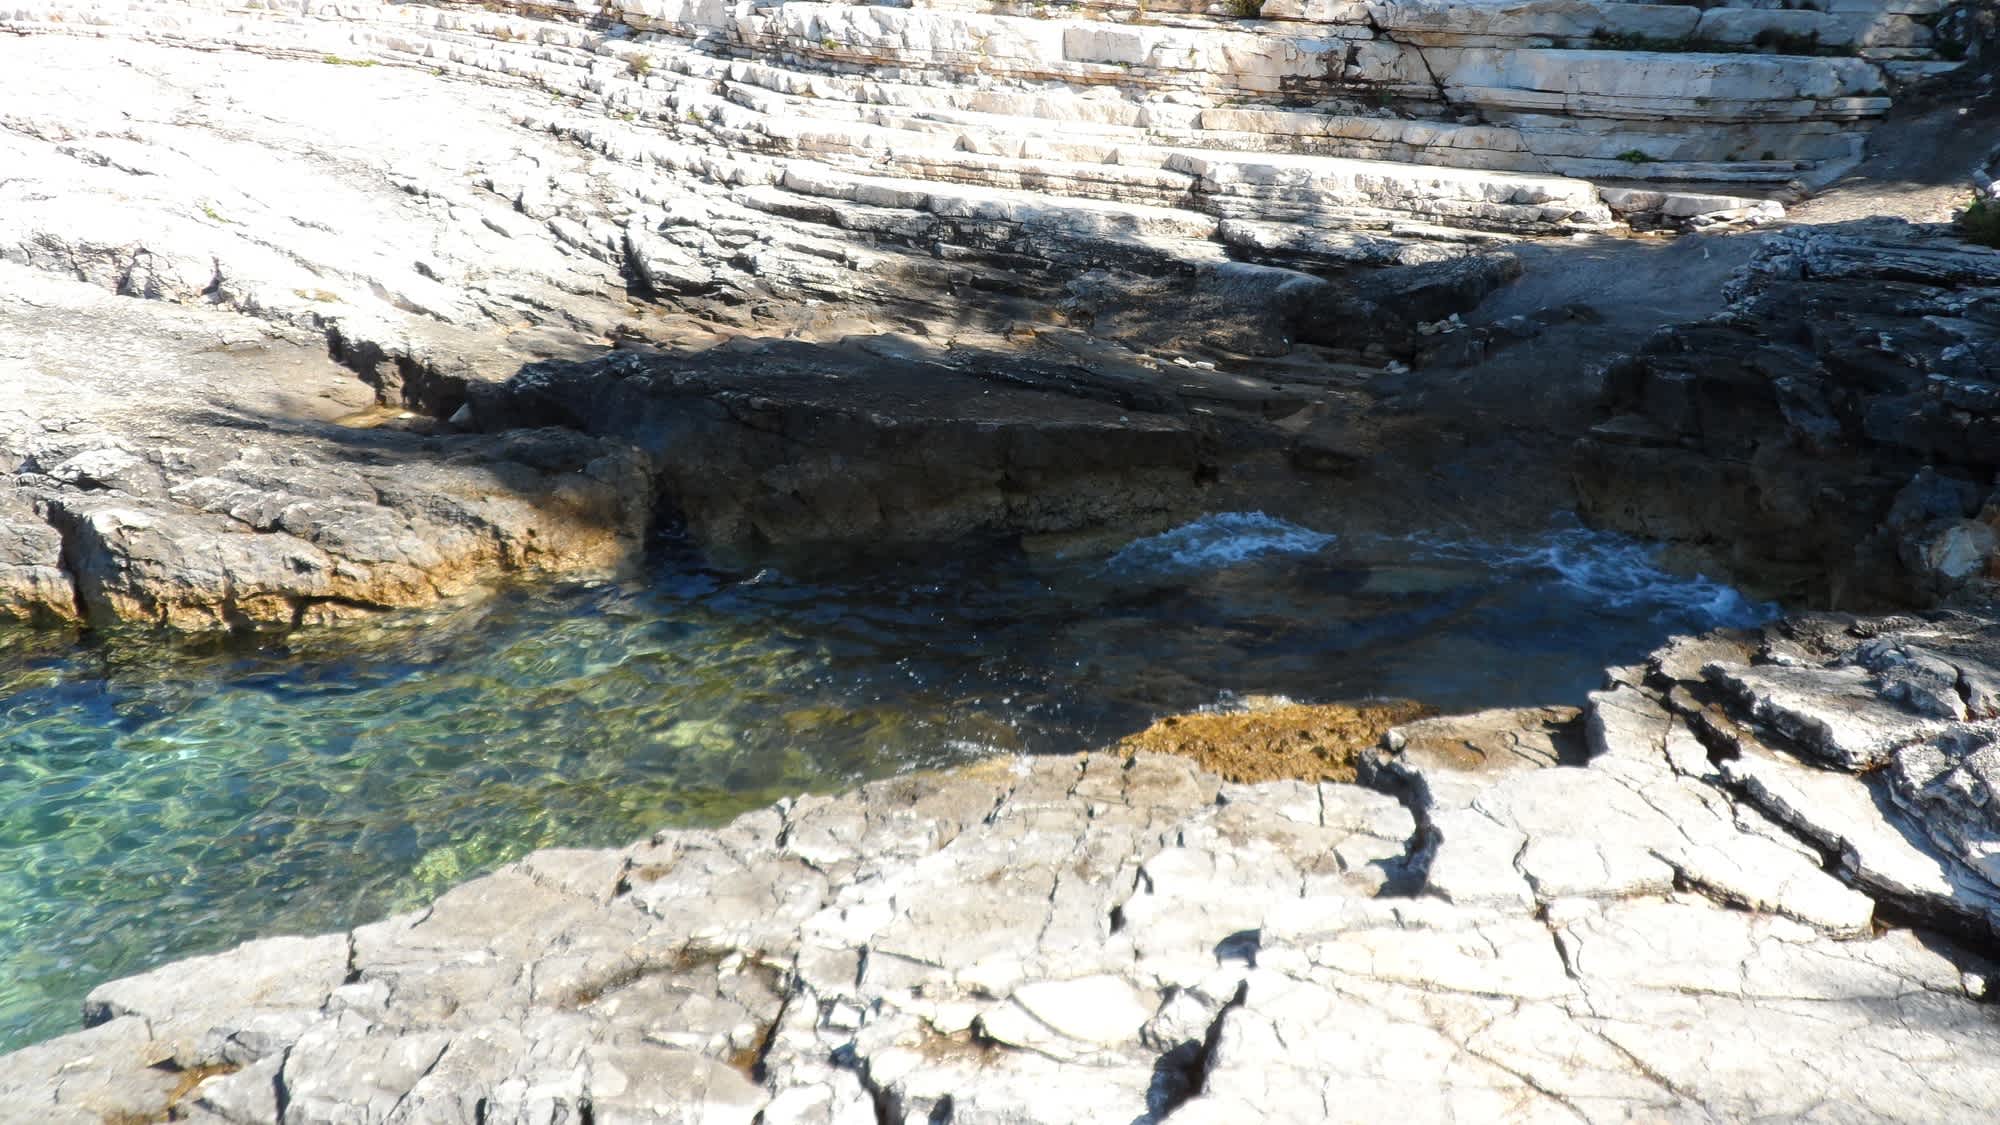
x: 893, y: 277
x: 210, y: 482
x: 803, y: 450
x: 1947, y: 785
x: 34, y: 585
x: 1874, y: 492
x: 1088, y: 208
x: 664, y: 267
x: 1839, y: 715
x: 231, y: 1008
x: 1851, y: 817
x: 1914, y: 832
x: 1098, y: 1011
x: 1919, y: 679
x: 104, y: 1072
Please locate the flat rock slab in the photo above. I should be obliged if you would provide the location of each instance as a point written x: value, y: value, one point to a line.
x: 1836, y: 713
x: 1870, y: 739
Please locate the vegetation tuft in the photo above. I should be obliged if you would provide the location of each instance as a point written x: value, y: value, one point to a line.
x: 1980, y: 223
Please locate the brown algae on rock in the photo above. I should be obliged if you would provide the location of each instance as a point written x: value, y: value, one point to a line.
x: 1274, y: 738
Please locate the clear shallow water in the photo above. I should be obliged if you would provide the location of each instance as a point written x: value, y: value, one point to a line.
x: 161, y: 801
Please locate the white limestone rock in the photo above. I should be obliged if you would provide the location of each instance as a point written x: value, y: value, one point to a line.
x: 1834, y: 713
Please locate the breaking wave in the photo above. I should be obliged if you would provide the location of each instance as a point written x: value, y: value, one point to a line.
x: 1613, y: 571
x: 1221, y: 540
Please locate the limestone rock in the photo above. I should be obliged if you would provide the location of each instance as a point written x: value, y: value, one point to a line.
x: 540, y: 183
x: 1837, y: 714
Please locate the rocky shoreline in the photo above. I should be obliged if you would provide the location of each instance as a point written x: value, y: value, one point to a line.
x: 311, y: 311
x: 1750, y: 878
x: 1156, y: 261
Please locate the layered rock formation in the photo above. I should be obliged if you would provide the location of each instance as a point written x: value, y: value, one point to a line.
x: 191, y: 470
x: 1663, y: 907
x: 1836, y: 421
x: 1126, y: 195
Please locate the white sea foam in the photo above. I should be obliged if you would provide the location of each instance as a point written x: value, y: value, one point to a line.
x: 1598, y: 568
x: 1613, y: 571
x: 1221, y: 540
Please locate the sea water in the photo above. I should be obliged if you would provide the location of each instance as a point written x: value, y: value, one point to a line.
x: 161, y: 800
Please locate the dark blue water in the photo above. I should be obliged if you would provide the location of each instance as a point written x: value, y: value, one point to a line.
x: 158, y: 801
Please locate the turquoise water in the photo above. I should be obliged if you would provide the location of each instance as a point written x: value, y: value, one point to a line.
x: 158, y: 800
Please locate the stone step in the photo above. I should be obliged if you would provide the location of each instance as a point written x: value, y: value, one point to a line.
x: 1538, y: 129
x: 1649, y: 207
x: 746, y: 80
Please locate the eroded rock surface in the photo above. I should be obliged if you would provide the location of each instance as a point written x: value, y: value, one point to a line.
x: 1659, y: 907
x: 1189, y: 243
x: 1835, y: 426
x: 200, y: 471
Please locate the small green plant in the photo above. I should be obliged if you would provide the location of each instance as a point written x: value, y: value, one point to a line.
x: 1980, y: 223
x: 829, y: 43
x: 209, y: 210
x: 1634, y: 156
x: 336, y: 60
x: 639, y: 65
x: 1247, y: 9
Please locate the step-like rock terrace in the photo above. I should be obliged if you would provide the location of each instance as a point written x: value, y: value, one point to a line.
x: 438, y: 194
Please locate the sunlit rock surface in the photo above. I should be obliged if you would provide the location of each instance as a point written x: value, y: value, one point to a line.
x: 306, y: 311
